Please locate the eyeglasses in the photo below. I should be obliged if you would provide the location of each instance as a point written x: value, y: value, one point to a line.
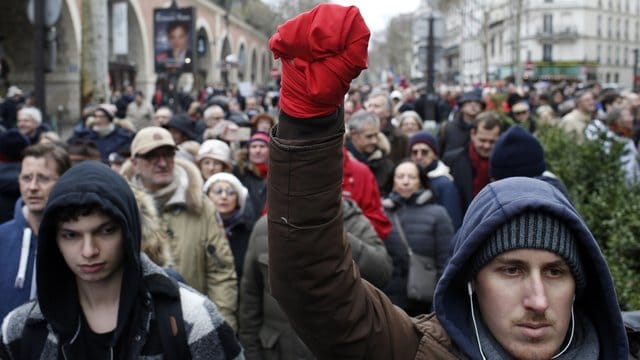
x: 420, y: 151
x: 521, y: 112
x: 226, y: 191
x: 40, y: 179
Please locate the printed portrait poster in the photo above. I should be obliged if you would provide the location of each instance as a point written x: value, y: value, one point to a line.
x: 174, y: 39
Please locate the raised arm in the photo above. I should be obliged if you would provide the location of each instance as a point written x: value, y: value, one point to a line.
x: 312, y: 274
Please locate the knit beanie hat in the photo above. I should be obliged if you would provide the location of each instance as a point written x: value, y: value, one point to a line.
x: 259, y: 136
x: 516, y: 153
x: 424, y: 137
x: 532, y: 230
x: 322, y: 50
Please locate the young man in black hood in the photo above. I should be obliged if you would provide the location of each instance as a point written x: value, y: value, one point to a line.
x: 98, y: 297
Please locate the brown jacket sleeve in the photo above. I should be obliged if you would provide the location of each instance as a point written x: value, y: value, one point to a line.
x: 335, y: 312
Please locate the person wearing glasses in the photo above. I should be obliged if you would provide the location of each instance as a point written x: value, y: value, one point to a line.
x: 42, y: 165
x: 423, y: 150
x: 230, y: 198
x: 521, y: 115
x: 199, y: 247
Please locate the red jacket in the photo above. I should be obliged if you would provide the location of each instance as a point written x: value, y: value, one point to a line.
x: 360, y: 185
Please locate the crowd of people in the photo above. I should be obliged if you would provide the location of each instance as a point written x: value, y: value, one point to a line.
x: 158, y: 208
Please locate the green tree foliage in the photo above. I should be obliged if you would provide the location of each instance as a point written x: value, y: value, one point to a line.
x: 609, y: 206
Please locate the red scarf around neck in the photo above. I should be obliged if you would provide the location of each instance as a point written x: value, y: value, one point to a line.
x: 480, y: 170
x: 262, y: 169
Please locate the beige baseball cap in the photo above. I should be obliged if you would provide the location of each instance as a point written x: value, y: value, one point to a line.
x: 151, y: 138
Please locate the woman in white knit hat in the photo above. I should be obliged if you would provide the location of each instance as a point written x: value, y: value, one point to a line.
x: 213, y: 157
x: 230, y: 199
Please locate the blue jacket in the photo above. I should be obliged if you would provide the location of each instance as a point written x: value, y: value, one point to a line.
x: 494, y: 205
x: 11, y: 233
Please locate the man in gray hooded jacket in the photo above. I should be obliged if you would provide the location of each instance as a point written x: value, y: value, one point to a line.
x: 98, y: 297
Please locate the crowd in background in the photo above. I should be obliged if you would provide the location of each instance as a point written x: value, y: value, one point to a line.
x: 198, y: 165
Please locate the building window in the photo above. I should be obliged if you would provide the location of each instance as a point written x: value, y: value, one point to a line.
x: 547, y: 23
x: 608, y: 77
x: 626, y: 55
x: 493, y: 46
x: 626, y: 29
x: 617, y: 55
x: 609, y: 28
x: 637, y: 30
x: 599, y: 53
x: 609, y: 55
x: 616, y: 78
x: 599, y: 25
x: 618, y: 30
x: 546, y: 52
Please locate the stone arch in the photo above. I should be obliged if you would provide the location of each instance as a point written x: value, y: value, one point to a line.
x: 205, y: 63
x: 225, y: 50
x: 242, y: 62
x: 254, y: 67
x: 145, y: 76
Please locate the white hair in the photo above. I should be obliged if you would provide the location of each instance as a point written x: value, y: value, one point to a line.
x: 33, y: 113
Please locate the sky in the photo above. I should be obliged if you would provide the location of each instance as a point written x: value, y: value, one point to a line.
x: 376, y: 13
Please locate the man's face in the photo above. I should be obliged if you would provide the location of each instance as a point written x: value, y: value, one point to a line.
x: 365, y: 140
x: 525, y: 298
x: 25, y: 124
x: 214, y: 117
x: 258, y: 152
x: 92, y: 248
x: 483, y: 140
x: 379, y: 106
x: 250, y: 103
x: 471, y: 109
x: 161, y: 117
x: 37, y: 177
x: 155, y: 168
x: 101, y: 119
x: 178, y: 39
x: 422, y: 154
x: 521, y: 116
x: 587, y: 104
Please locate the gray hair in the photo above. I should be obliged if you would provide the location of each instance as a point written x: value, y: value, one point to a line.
x: 360, y: 119
x: 410, y: 114
x: 33, y: 113
x: 378, y: 92
x: 209, y: 110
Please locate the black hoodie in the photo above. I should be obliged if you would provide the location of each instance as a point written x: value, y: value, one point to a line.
x: 88, y: 183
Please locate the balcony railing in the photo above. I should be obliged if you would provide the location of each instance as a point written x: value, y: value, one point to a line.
x: 567, y: 33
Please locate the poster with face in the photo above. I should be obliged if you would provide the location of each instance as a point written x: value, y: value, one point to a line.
x: 174, y: 39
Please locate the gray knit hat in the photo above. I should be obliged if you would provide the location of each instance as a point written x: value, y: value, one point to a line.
x: 532, y: 230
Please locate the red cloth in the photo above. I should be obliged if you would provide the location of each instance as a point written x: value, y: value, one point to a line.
x: 480, y: 170
x: 359, y: 184
x: 262, y: 169
x: 322, y: 50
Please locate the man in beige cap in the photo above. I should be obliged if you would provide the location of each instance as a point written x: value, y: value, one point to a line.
x: 199, y: 246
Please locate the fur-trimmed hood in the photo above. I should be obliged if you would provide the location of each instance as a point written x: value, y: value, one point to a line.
x: 194, y: 195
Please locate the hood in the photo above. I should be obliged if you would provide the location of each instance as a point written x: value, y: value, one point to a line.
x: 493, y: 206
x: 89, y: 182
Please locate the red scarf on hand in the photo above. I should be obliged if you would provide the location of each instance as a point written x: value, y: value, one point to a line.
x: 322, y: 50
x: 480, y: 171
